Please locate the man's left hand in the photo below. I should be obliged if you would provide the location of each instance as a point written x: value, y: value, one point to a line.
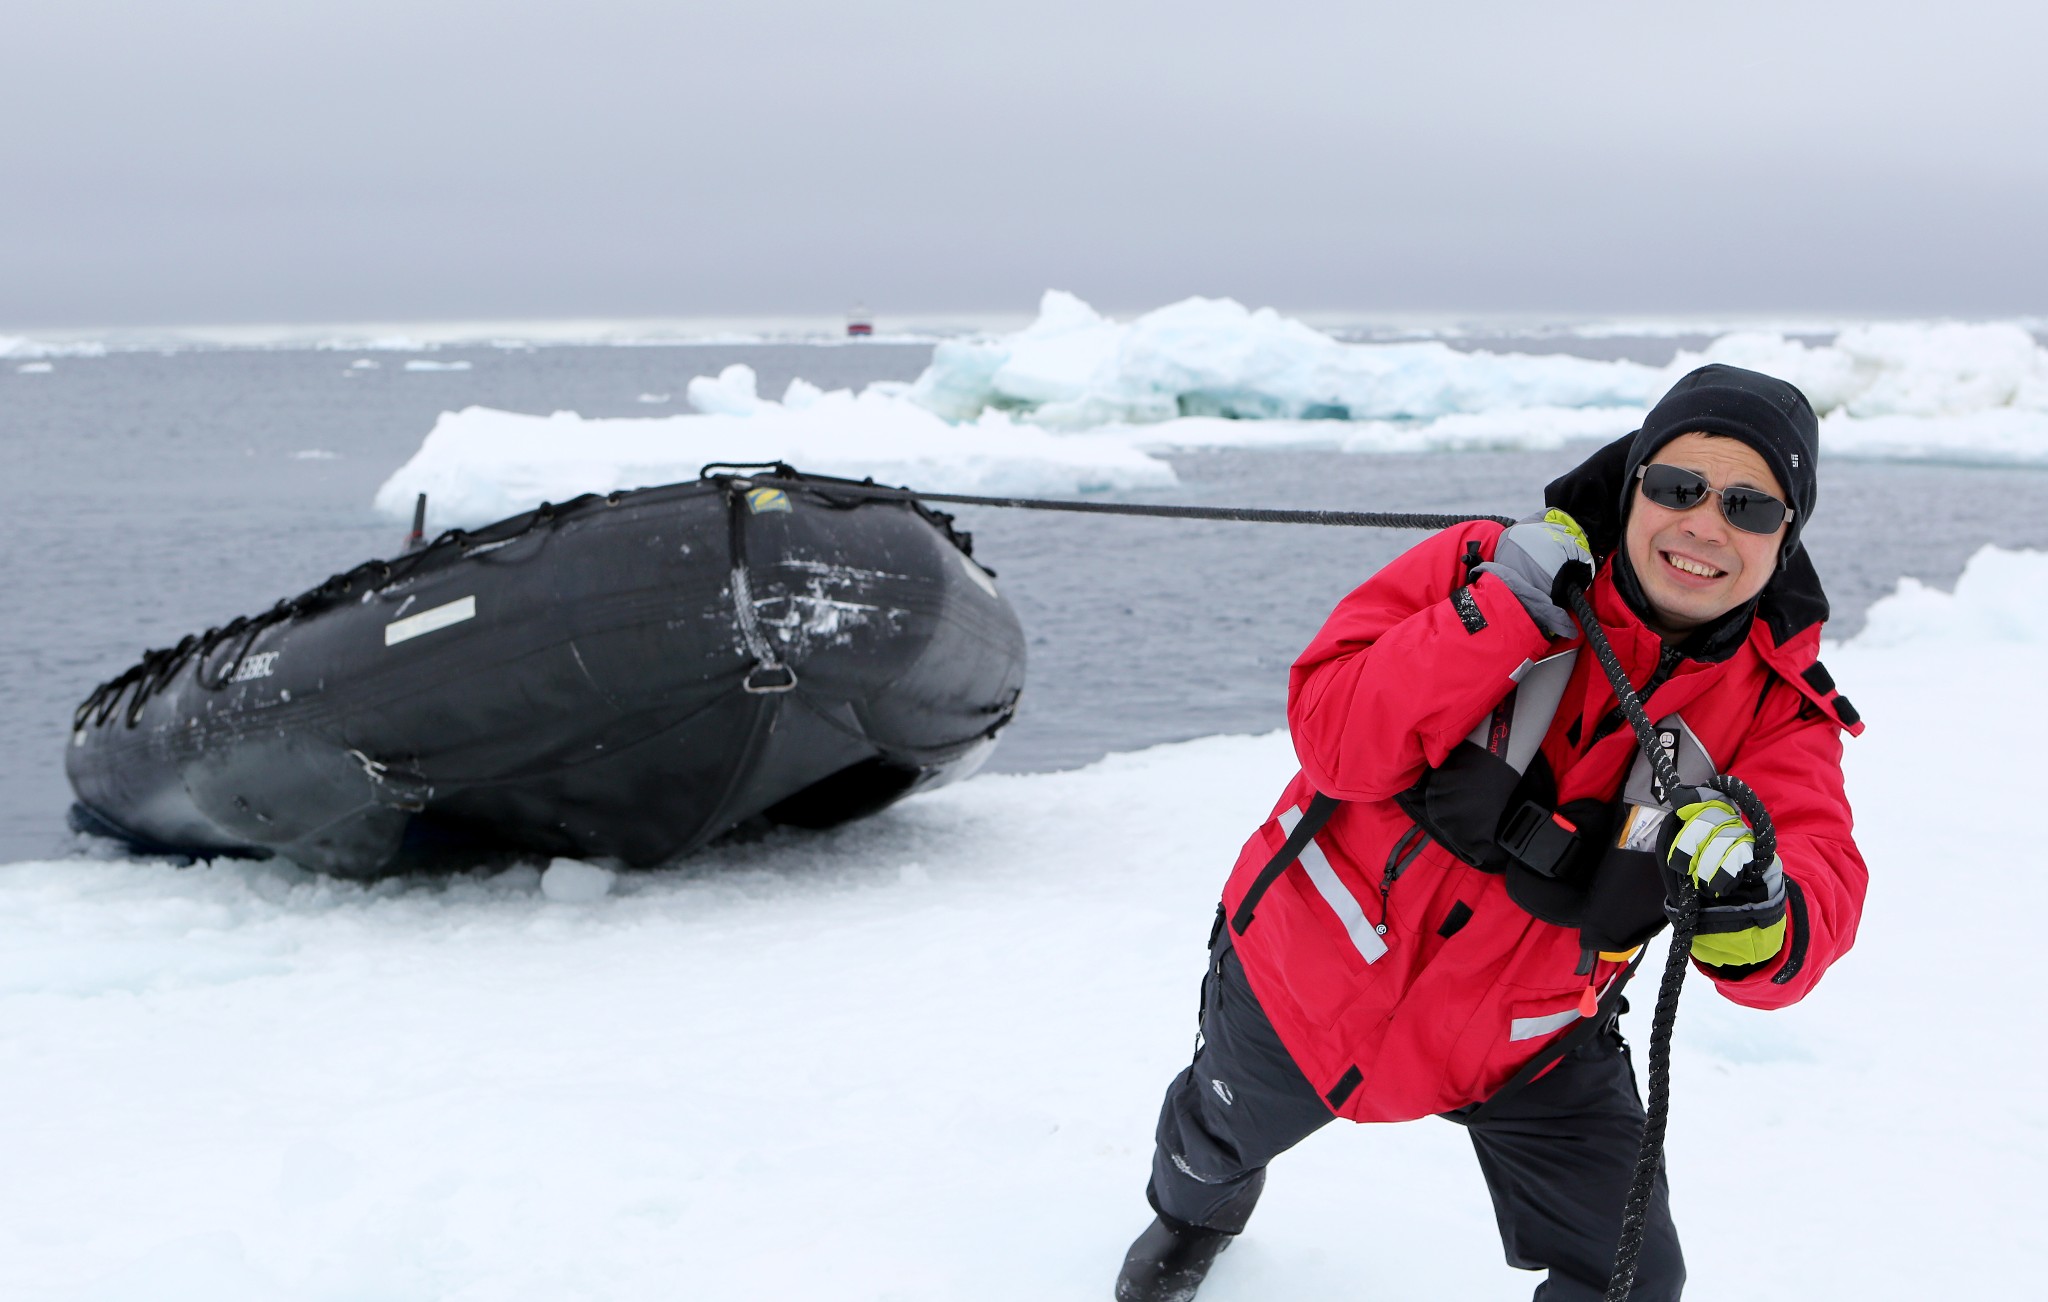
x: 1742, y: 914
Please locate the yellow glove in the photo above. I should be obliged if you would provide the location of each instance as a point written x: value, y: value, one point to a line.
x: 1742, y: 916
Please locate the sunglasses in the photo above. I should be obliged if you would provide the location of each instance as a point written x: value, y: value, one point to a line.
x: 1678, y: 489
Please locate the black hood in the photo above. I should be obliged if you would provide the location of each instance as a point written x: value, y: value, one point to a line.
x: 1592, y: 493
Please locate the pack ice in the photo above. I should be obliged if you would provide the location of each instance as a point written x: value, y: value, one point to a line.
x: 1077, y: 402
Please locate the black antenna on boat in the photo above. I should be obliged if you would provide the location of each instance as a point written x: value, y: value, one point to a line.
x: 418, y: 537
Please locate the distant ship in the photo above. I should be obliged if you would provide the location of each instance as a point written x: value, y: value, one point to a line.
x: 860, y: 323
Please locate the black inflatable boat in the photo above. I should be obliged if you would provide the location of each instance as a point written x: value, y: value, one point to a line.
x: 624, y: 677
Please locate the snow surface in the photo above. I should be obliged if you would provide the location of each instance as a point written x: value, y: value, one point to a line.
x: 920, y: 1057
x: 1077, y: 402
x: 479, y: 465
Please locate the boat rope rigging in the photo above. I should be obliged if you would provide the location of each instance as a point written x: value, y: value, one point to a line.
x: 867, y: 488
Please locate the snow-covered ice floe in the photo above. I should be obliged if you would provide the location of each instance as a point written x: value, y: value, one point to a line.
x: 1077, y: 402
x: 869, y: 1063
x: 479, y: 464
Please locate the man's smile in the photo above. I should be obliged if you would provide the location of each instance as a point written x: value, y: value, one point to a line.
x: 1689, y: 566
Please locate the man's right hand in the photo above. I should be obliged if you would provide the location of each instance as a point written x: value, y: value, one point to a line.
x: 1742, y: 916
x: 1539, y: 559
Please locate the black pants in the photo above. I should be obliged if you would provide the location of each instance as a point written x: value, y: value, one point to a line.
x: 1557, y: 1156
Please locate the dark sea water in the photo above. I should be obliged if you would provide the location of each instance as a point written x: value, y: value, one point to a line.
x: 148, y: 496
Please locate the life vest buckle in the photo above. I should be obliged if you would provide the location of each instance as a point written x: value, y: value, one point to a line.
x: 1541, y: 839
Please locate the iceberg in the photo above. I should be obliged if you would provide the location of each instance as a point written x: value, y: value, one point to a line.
x: 1949, y: 368
x: 1947, y: 391
x: 1202, y: 372
x: 1074, y: 368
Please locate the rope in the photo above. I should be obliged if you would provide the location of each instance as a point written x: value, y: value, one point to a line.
x: 1244, y: 514
x: 1650, y: 1154
x: 1685, y: 918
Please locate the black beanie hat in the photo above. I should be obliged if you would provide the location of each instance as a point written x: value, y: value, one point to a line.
x: 1765, y: 412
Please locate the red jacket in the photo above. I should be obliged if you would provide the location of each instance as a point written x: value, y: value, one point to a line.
x: 1394, y: 681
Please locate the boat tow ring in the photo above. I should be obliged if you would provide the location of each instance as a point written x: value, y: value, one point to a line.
x: 769, y: 679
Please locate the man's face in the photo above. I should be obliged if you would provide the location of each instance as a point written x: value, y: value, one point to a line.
x: 1694, y: 566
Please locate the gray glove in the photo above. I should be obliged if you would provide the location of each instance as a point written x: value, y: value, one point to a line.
x: 1538, y: 559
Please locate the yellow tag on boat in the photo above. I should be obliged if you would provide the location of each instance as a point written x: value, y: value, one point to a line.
x: 768, y: 499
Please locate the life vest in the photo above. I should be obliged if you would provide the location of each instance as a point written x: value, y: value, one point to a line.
x: 1588, y: 864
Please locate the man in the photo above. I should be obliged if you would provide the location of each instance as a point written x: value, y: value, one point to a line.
x: 1453, y: 939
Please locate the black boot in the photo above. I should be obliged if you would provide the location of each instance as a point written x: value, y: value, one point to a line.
x: 1169, y: 1262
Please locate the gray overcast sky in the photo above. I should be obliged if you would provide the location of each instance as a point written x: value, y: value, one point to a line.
x: 263, y: 160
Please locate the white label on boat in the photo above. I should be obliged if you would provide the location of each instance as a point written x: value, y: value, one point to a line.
x: 399, y: 630
x: 259, y: 665
x: 978, y: 574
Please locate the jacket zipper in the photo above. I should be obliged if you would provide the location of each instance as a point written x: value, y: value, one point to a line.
x: 1668, y: 659
x: 1405, y: 849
